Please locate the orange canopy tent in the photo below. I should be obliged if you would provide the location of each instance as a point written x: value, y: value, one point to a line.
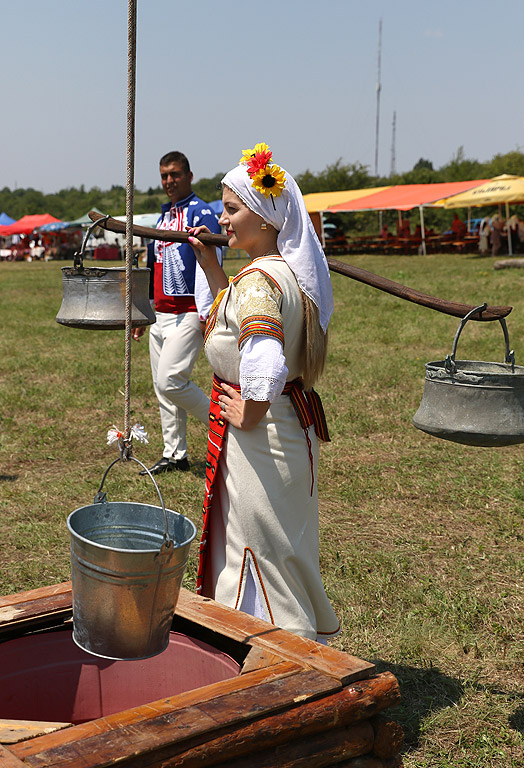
x: 319, y: 202
x: 27, y: 224
x: 404, y: 197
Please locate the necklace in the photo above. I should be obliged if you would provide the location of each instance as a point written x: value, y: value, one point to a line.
x: 272, y: 252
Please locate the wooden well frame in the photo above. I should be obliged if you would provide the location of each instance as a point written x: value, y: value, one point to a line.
x: 296, y: 703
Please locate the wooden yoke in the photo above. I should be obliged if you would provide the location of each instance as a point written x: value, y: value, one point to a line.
x: 362, y: 275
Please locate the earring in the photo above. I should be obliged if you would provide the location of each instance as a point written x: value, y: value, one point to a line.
x: 263, y: 225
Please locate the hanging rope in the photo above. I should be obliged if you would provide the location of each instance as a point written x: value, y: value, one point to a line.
x: 130, y: 184
x: 125, y: 438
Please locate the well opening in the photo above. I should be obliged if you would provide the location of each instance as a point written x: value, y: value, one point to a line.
x: 46, y: 676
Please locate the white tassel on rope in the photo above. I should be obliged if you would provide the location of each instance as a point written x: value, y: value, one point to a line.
x: 114, y: 435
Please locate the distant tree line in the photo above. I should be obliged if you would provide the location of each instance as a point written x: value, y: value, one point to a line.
x: 459, y: 168
x: 356, y: 176
x: 73, y: 202
x: 70, y: 203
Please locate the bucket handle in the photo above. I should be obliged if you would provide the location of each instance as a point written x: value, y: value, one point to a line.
x: 101, y: 496
x: 78, y: 258
x: 509, y: 356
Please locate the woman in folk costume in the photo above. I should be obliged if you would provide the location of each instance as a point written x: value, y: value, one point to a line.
x: 266, y: 342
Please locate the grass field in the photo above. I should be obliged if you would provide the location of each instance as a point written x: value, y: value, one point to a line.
x: 422, y: 541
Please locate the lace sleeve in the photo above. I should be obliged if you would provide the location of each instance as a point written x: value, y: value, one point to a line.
x: 263, y: 370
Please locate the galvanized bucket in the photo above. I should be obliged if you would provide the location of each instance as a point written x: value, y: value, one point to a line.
x: 127, y: 564
x: 94, y: 298
x: 473, y: 402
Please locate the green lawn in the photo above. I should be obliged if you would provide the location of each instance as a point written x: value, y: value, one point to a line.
x: 422, y: 542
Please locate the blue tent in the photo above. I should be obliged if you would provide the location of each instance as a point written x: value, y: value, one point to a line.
x: 83, y: 221
x: 54, y: 226
x: 5, y: 220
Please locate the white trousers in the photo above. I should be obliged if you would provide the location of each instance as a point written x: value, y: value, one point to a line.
x: 175, y: 342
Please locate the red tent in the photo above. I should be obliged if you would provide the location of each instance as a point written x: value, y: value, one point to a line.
x: 27, y: 224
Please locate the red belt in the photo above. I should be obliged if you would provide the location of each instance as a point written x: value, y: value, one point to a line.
x: 307, y: 405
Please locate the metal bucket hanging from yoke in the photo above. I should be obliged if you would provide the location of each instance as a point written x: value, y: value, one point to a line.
x: 127, y: 565
x: 94, y: 298
x: 473, y: 402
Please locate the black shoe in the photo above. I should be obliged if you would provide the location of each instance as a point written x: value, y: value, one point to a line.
x: 168, y: 465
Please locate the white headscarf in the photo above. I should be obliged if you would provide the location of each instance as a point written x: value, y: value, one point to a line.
x: 297, y: 241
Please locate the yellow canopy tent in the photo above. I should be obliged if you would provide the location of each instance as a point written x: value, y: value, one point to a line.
x: 501, y: 189
x: 322, y: 201
x: 317, y: 203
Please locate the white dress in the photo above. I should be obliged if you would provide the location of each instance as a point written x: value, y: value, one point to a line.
x: 264, y: 514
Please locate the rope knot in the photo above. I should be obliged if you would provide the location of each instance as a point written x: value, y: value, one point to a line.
x: 125, y: 446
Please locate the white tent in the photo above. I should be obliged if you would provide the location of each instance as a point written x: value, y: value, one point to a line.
x: 139, y: 219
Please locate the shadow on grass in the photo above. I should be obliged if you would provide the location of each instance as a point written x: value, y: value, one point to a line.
x: 428, y: 690
x: 490, y: 257
x: 480, y: 256
x: 198, y: 468
x: 8, y: 478
x: 516, y: 720
x: 422, y: 691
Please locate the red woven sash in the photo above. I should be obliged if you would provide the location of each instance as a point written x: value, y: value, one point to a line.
x: 308, y: 407
x: 215, y: 441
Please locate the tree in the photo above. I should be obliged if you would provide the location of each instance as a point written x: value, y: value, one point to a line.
x: 335, y: 177
x: 460, y: 168
x: 209, y: 189
x: 511, y: 162
x: 422, y: 163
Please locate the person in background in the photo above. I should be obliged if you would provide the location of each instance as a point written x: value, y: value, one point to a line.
x: 497, y: 229
x: 403, y: 228
x: 513, y: 225
x: 182, y: 302
x: 266, y: 342
x: 520, y: 231
x: 484, y: 232
x: 458, y: 227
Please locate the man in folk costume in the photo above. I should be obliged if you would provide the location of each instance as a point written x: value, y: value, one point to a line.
x: 182, y: 302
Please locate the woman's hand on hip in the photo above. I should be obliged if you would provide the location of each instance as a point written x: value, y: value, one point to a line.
x: 242, y: 414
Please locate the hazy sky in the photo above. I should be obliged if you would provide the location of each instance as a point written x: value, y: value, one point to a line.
x: 216, y: 76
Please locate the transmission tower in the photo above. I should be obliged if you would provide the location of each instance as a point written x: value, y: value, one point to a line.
x: 379, y: 88
x: 393, y: 142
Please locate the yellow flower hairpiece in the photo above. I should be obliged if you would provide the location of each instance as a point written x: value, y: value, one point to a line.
x: 267, y: 178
